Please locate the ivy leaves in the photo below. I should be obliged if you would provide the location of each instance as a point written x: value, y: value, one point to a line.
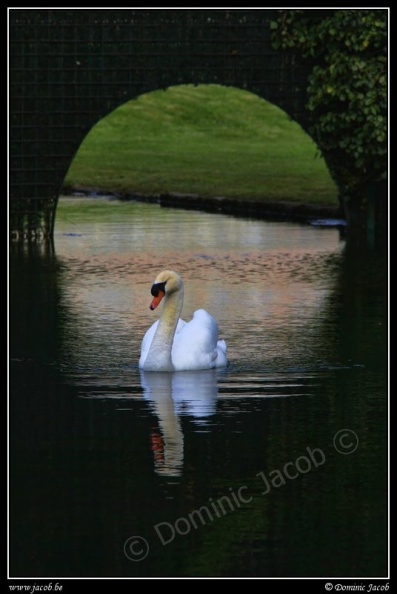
x: 347, y: 88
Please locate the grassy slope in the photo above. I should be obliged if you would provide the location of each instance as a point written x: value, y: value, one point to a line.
x: 209, y: 140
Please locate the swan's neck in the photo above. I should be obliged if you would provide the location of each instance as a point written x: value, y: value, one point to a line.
x: 159, y: 356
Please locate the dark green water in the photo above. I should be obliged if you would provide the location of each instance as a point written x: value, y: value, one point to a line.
x: 276, y: 466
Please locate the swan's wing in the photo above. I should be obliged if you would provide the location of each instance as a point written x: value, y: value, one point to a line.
x: 181, y: 324
x: 146, y: 342
x: 196, y: 345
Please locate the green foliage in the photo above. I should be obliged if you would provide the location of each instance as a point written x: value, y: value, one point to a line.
x: 347, y: 88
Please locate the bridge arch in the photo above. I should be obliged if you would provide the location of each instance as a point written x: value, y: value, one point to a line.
x: 224, y: 132
x: 71, y: 67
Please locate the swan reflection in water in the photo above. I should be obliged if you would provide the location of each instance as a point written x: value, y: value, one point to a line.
x: 171, y: 395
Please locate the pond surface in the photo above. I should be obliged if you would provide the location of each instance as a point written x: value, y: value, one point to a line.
x: 273, y: 467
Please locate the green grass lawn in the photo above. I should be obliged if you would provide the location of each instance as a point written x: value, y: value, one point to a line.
x: 208, y: 140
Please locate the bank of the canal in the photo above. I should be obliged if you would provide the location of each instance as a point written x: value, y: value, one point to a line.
x: 280, y: 209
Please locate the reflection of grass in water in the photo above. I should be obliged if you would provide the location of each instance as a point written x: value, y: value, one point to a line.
x: 88, y: 210
x: 209, y: 140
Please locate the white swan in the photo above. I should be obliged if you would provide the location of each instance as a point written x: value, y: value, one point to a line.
x: 174, y: 345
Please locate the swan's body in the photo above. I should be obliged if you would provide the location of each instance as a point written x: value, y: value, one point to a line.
x: 171, y: 344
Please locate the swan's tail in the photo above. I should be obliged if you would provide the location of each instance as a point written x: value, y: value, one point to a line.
x: 221, y: 350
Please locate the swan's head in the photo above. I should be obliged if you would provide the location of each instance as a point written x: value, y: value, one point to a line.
x: 166, y: 282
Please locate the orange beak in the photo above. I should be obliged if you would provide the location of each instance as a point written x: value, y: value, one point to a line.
x: 156, y: 300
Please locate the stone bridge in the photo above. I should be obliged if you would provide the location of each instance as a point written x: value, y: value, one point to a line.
x: 69, y: 68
